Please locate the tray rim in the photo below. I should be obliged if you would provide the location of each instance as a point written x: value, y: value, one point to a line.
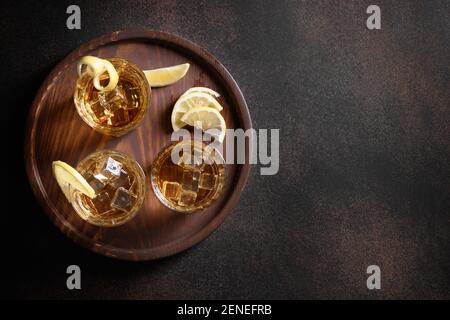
x: 180, y: 244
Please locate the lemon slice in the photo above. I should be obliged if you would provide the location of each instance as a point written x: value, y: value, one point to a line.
x: 96, y: 67
x: 206, y: 118
x: 70, y: 180
x: 164, y: 76
x: 203, y: 90
x: 190, y: 101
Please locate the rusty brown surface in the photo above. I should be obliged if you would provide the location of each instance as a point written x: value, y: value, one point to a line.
x: 365, y: 151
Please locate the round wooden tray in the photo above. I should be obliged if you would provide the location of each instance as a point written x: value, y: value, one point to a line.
x: 56, y: 132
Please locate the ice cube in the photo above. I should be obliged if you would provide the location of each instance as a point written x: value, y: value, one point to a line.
x: 107, y: 171
x: 207, y: 181
x: 190, y: 180
x: 119, y: 117
x: 113, y: 100
x: 95, y: 183
x: 123, y: 181
x: 101, y: 202
x: 102, y: 178
x: 171, y: 190
x: 98, y: 111
x: 123, y: 199
x: 113, y: 167
x: 133, y: 185
x: 187, y: 198
x: 132, y: 94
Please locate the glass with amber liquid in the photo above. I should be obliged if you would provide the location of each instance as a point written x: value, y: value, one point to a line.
x: 118, y: 111
x: 193, y: 181
x: 119, y: 185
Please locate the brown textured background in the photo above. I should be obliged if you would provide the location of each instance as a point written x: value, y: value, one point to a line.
x: 364, y: 151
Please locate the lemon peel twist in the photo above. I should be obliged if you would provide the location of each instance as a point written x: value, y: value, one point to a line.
x: 96, y: 67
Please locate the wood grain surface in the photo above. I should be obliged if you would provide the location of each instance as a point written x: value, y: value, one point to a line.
x: 56, y: 132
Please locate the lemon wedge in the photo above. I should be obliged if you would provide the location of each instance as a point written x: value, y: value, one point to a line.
x: 96, y: 67
x: 189, y: 101
x: 164, y: 76
x: 207, y: 119
x: 209, y: 91
x: 70, y: 180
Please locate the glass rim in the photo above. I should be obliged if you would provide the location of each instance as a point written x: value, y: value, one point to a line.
x: 120, y: 130
x: 158, y: 192
x: 80, y: 209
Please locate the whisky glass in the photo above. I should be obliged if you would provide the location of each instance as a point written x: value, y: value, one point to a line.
x: 194, y: 182
x: 119, y: 185
x: 118, y: 111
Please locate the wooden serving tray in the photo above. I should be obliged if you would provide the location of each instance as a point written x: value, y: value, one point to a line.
x: 56, y: 132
